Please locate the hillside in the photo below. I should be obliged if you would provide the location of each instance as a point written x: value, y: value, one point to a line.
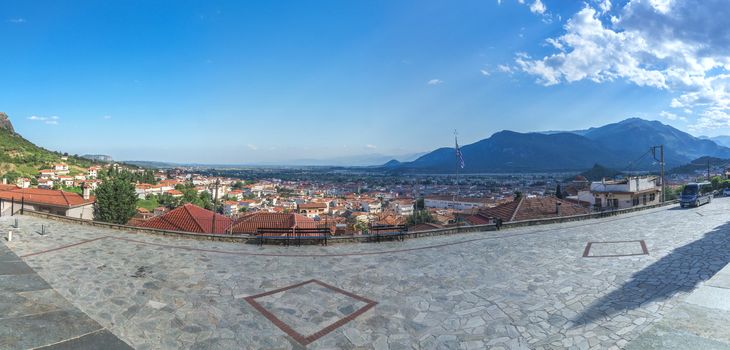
x: 700, y: 165
x: 621, y: 146
x: 20, y: 157
x: 509, y: 151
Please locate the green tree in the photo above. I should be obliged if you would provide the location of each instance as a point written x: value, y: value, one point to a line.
x: 420, y: 204
x: 558, y: 192
x: 420, y: 217
x: 116, y: 201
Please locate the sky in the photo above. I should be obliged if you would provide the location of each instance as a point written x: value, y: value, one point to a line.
x: 273, y: 81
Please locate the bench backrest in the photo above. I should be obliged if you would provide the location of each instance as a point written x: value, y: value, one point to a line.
x: 390, y: 228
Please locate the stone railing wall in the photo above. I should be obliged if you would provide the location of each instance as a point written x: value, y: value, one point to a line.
x: 346, y: 238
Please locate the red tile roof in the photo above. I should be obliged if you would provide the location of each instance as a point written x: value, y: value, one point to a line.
x: 42, y: 196
x: 313, y: 205
x: 251, y: 222
x: 189, y: 218
x: 534, y: 208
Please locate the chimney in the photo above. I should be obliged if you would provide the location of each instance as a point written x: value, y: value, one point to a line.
x: 86, y: 191
x: 557, y: 208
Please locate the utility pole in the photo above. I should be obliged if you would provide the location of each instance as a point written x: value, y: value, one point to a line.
x: 708, y: 169
x: 661, y: 164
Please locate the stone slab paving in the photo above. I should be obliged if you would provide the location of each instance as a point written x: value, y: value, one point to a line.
x: 33, y: 315
x: 702, y: 321
x: 523, y: 288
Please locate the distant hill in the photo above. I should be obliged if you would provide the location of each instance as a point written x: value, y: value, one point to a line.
x: 20, y: 157
x: 720, y: 140
x: 98, y: 157
x: 509, y: 151
x: 599, y: 172
x: 622, y: 146
x: 700, y: 164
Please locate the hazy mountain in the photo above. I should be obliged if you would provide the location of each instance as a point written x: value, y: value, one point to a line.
x: 635, y: 134
x: 345, y: 161
x: 621, y: 146
x: 509, y: 151
x: 720, y: 140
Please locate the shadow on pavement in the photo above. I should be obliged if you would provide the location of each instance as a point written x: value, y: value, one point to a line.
x: 679, y: 271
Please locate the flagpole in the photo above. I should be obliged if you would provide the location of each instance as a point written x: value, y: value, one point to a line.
x: 456, y: 145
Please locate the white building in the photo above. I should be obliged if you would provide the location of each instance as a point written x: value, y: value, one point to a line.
x: 626, y: 193
x: 447, y: 202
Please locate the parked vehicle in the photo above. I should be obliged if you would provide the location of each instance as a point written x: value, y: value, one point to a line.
x: 696, y: 194
x: 726, y: 192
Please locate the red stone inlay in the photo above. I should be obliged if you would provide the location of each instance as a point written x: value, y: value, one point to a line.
x: 302, y: 339
x: 587, y: 250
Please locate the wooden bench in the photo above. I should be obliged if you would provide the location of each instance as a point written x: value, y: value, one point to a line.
x: 379, y: 232
x: 274, y: 234
x: 297, y: 235
x: 312, y: 234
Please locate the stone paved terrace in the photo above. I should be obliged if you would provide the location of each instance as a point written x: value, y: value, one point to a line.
x: 538, y: 287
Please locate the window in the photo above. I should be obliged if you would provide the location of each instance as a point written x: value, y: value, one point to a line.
x: 652, y: 197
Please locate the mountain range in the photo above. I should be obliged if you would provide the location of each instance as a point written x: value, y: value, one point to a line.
x: 623, y: 146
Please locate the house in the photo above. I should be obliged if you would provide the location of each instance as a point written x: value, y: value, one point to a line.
x: 528, y: 209
x: 174, y: 193
x: 236, y: 195
x: 67, y: 181
x: 402, y: 207
x: 230, y: 208
x: 45, y: 183
x: 250, y: 223
x: 189, y: 218
x: 22, y: 182
x: 47, y: 201
x: 312, y: 209
x: 626, y: 193
x: 47, y: 174
x: 372, y: 206
x: 93, y: 171
x: 61, y: 168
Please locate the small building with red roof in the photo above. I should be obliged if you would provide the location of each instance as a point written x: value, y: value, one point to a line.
x: 189, y: 218
x: 47, y: 201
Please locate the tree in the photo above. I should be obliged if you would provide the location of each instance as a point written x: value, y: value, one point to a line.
x: 558, y: 192
x: 420, y: 204
x: 116, y: 201
x: 420, y: 217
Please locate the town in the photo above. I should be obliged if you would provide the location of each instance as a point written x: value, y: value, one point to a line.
x: 348, y: 203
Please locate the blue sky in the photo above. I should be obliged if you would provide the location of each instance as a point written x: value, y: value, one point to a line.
x: 271, y: 81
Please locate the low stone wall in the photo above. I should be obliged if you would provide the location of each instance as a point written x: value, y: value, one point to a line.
x: 341, y: 239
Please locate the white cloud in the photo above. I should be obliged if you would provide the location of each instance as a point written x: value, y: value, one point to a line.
x: 538, y: 7
x: 505, y: 68
x: 668, y: 115
x: 252, y: 147
x: 484, y: 72
x: 371, y: 146
x: 106, y: 117
x: 435, y: 82
x: 52, y: 120
x: 681, y: 47
x: 17, y: 20
x: 603, y: 5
